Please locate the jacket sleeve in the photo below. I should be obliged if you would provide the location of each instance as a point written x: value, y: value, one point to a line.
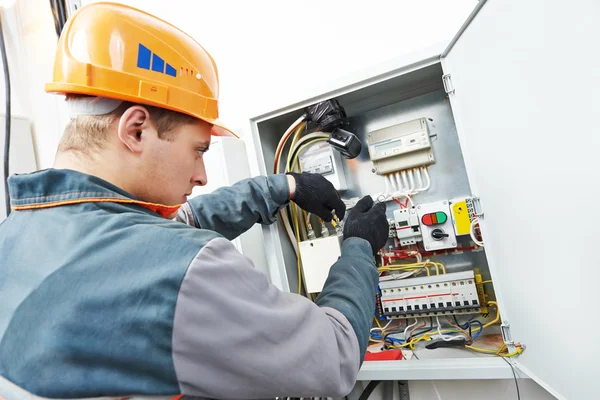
x: 237, y: 336
x: 233, y: 210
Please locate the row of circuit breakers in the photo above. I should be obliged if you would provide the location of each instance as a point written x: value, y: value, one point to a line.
x: 453, y: 293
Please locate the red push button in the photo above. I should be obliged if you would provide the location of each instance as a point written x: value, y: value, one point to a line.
x: 426, y: 219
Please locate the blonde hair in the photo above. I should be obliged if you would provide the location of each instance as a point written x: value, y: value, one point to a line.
x: 89, y: 132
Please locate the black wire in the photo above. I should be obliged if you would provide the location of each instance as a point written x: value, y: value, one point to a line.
x: 515, y: 375
x: 368, y: 390
x: 54, y: 9
x: 62, y: 14
x: 7, y: 117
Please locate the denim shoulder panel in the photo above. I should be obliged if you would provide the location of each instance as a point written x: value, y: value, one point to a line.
x: 92, y: 291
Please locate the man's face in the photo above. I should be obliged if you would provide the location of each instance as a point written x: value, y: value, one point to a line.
x: 172, y: 168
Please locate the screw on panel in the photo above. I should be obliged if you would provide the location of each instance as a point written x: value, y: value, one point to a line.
x: 453, y: 244
x: 373, y: 170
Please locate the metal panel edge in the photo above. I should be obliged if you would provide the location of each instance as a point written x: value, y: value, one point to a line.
x: 437, y: 369
x: 463, y: 27
x: 391, y: 69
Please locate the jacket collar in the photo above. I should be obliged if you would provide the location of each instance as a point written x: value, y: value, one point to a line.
x: 57, y: 187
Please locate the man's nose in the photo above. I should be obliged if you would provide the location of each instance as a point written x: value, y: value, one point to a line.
x: 200, y: 178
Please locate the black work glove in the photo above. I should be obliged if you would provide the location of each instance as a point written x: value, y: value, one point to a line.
x: 317, y: 195
x: 368, y: 221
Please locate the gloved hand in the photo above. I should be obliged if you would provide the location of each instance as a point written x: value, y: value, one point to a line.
x: 368, y: 222
x: 317, y: 195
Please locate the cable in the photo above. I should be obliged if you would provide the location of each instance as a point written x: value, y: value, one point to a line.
x: 419, y: 179
x: 388, y: 183
x: 62, y: 14
x: 284, y: 138
x: 405, y: 181
x: 399, y: 182
x: 472, y: 232
x: 426, y: 172
x: 515, y: 375
x: 7, y: 116
x: 296, y: 147
x: 369, y: 390
x: 409, y: 327
x: 411, y: 180
x: 439, y: 329
x: 495, y: 320
x: 297, y: 133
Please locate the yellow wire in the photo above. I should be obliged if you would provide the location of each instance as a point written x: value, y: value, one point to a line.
x: 377, y: 322
x: 304, y: 146
x: 496, y: 351
x: 297, y: 229
x: 495, y: 320
x: 294, y: 140
x: 481, y: 283
x: 410, y: 268
x: 442, y: 267
x: 396, y: 267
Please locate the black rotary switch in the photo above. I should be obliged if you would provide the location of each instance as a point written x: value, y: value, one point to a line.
x: 438, y: 234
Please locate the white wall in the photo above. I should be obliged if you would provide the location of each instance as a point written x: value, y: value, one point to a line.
x: 31, y: 44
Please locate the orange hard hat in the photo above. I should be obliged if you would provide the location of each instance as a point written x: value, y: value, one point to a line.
x: 115, y: 51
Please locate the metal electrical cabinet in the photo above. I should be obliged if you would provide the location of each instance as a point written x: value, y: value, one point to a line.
x: 514, y: 95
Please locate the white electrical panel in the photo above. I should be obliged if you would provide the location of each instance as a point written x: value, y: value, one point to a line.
x: 407, y: 226
x: 436, y: 225
x: 400, y: 147
x: 318, y: 256
x: 453, y: 293
x: 321, y: 158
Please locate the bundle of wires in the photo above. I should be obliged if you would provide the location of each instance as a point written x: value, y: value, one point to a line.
x: 59, y: 12
x: 416, y: 332
x: 290, y: 216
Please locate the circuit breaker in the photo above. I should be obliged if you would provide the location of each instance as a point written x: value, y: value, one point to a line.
x: 400, y: 147
x: 436, y: 225
x: 407, y: 226
x: 320, y: 158
x: 452, y: 293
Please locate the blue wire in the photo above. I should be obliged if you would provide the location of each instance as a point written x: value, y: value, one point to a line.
x: 480, y: 328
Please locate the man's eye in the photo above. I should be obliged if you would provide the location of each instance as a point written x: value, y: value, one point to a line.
x: 201, y: 152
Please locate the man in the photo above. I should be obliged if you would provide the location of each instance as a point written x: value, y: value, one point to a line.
x: 103, y: 294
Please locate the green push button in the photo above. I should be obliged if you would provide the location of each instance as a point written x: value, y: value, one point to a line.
x: 441, y: 217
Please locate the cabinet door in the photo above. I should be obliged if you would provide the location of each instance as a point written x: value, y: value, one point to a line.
x: 524, y: 86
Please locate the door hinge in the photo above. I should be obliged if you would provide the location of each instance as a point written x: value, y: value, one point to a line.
x: 506, y: 336
x: 448, y: 86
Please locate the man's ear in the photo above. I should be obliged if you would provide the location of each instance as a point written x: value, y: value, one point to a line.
x: 134, y: 122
